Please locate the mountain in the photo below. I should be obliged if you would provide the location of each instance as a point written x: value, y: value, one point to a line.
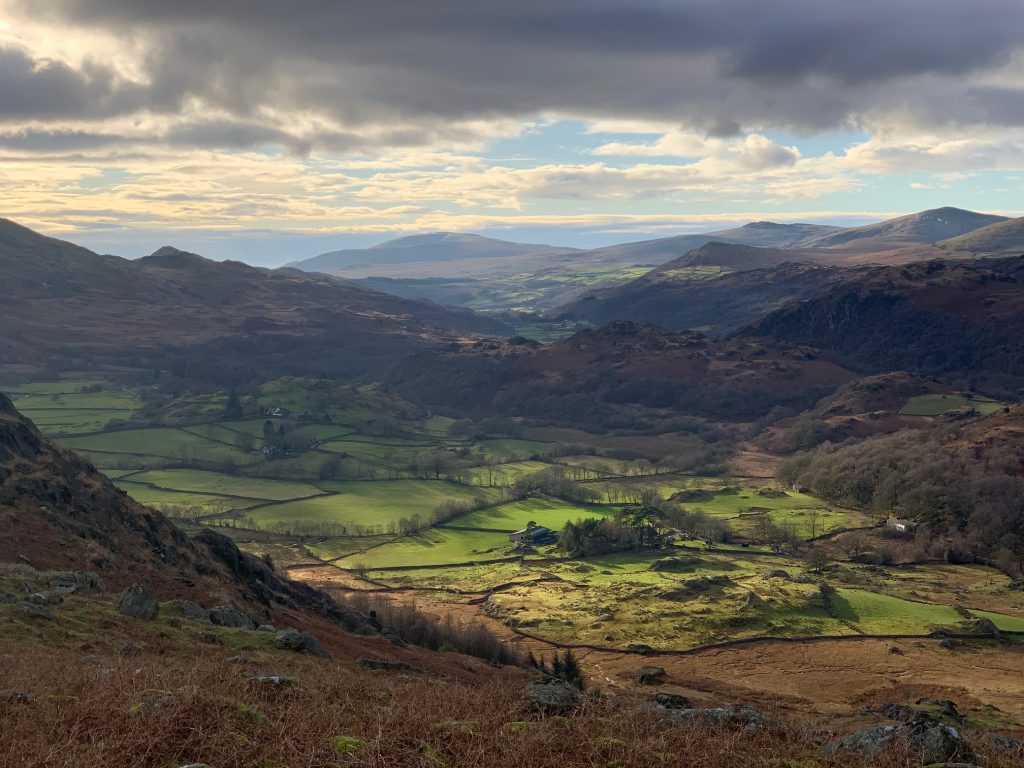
x: 762, y: 234
x: 65, y: 306
x: 925, y: 227
x: 416, y: 249
x: 958, y: 321
x: 670, y: 296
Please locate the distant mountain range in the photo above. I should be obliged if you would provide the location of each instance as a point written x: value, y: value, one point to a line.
x: 494, y: 275
x: 63, y: 303
x: 418, y: 249
x: 710, y: 287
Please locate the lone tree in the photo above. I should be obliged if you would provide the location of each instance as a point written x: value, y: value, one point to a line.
x: 233, y: 410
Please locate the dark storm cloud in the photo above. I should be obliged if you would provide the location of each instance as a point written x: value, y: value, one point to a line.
x: 718, y: 65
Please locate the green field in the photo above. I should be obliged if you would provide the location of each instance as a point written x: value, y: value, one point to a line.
x: 936, y: 405
x: 372, y: 503
x: 226, y: 485
x: 515, y: 515
x: 161, y: 442
x: 206, y: 503
x: 437, y: 546
x: 502, y: 474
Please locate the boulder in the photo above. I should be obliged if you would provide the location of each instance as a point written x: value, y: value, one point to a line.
x: 189, y: 610
x: 650, y: 675
x: 292, y: 639
x: 139, y: 602
x: 75, y: 582
x: 276, y: 681
x: 551, y: 696
x: 1005, y: 744
x: 933, y: 741
x: 266, y: 628
x: 672, y: 701
x: 867, y: 743
x: 46, y: 598
x: 777, y: 573
x: 153, y: 701
x: 229, y: 616
x: 130, y: 649
x: 732, y: 715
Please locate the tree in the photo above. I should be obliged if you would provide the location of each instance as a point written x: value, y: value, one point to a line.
x: 233, y: 409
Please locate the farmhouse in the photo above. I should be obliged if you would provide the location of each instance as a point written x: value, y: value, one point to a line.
x: 901, y: 525
x: 532, y: 534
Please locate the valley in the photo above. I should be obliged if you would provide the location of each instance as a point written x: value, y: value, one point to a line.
x: 381, y: 495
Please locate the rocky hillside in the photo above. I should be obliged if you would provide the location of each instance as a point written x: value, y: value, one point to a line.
x: 960, y: 322
x: 57, y: 513
x: 65, y: 306
x: 670, y: 296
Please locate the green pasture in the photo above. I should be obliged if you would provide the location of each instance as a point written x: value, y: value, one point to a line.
x: 515, y: 515
x: 437, y: 546
x: 936, y: 405
x: 502, y: 474
x: 372, y: 503
x: 163, y: 442
x: 162, y: 498
x: 227, y: 485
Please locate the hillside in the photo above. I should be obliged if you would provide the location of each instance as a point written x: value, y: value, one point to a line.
x: 924, y: 227
x: 627, y: 375
x: 416, y: 249
x: 66, y: 306
x: 58, y: 513
x: 953, y: 320
x: 681, y: 298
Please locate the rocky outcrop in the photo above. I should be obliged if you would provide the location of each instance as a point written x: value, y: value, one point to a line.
x: 292, y: 639
x: 138, y: 602
x: 551, y: 696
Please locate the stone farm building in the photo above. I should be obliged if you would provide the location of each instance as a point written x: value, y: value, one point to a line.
x: 532, y: 534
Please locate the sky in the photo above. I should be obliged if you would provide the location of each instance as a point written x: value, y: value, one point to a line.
x: 269, y: 131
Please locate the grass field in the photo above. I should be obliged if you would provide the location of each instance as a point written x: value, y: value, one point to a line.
x: 371, y: 503
x: 503, y: 474
x: 515, y: 515
x: 936, y: 405
x: 437, y: 546
x: 226, y: 485
x: 163, y: 499
x: 162, y: 442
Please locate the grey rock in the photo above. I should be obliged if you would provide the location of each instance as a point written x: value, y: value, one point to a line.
x: 266, y: 628
x: 383, y: 664
x: 278, y: 681
x: 46, y: 598
x: 292, y: 639
x: 939, y: 744
x: 394, y: 638
x: 641, y: 648
x: 14, y: 696
x: 229, y: 616
x: 777, y: 573
x: 551, y: 696
x: 130, y: 649
x: 1003, y: 743
x: 735, y: 715
x: 934, y: 742
x: 238, y: 659
x: 867, y: 743
x: 6, y: 598
x: 139, y: 602
x: 649, y: 675
x: 672, y: 701
x: 189, y: 610
x: 76, y: 582
x: 36, y: 611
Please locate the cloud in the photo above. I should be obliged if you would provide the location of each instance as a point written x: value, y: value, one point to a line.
x: 721, y: 68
